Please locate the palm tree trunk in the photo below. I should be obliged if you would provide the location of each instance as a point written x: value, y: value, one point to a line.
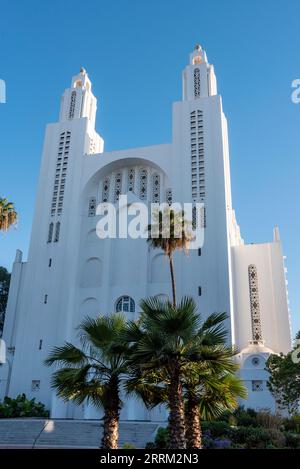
x: 176, y: 416
x: 193, y: 431
x: 171, y: 261
x: 111, y: 418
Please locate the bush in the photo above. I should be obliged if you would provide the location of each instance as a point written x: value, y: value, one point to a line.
x: 216, y: 428
x: 291, y: 440
x: 22, y: 407
x: 250, y: 437
x: 245, y: 418
x: 292, y: 424
x: 162, y: 438
x: 128, y: 446
x: 265, y: 419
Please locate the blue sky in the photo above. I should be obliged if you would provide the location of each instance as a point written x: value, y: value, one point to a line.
x: 134, y: 52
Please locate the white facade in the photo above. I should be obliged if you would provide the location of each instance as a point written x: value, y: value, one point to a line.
x: 71, y: 273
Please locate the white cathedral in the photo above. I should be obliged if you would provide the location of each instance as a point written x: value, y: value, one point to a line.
x: 71, y: 273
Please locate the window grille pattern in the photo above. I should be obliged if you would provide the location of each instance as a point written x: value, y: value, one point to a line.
x: 130, y: 180
x: 169, y: 197
x: 156, y: 188
x: 50, y: 232
x: 72, y: 105
x: 105, y: 189
x: 125, y: 304
x: 254, y: 303
x: 197, y: 83
x: 197, y: 156
x: 257, y: 385
x: 143, y: 184
x: 92, y: 207
x: 60, y: 173
x: 118, y: 186
x: 57, y: 231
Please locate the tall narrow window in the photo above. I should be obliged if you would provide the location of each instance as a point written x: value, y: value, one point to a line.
x: 143, y: 184
x: 72, y: 105
x: 118, y: 186
x: 57, y: 230
x: 105, y: 189
x: 130, y: 180
x: 169, y: 196
x: 197, y: 83
x: 50, y: 232
x: 156, y: 188
x: 254, y: 303
x: 50, y: 262
x: 45, y: 299
x: 40, y: 344
x: 92, y: 207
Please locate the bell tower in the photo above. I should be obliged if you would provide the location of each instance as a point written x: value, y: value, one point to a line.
x: 78, y: 100
x: 199, y: 80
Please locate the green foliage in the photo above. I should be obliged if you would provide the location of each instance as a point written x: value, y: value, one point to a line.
x: 161, y: 441
x: 284, y: 381
x: 292, y: 440
x: 22, y: 407
x: 216, y: 429
x: 128, y: 446
x: 292, y: 424
x: 266, y: 419
x: 4, y: 288
x: 162, y: 438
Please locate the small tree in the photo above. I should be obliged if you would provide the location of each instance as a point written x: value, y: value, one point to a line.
x: 8, y: 215
x: 170, y: 232
x: 95, y: 372
x: 284, y: 380
x: 4, y: 288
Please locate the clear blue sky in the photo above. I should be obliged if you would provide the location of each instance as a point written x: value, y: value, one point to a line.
x: 134, y: 52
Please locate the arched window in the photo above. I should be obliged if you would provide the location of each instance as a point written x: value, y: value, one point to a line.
x: 125, y: 304
x: 50, y: 233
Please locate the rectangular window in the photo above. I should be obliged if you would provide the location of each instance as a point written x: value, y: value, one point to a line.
x: 40, y: 344
x: 50, y: 262
x: 199, y: 252
x: 199, y: 291
x: 35, y: 385
x: 257, y: 385
x: 45, y: 299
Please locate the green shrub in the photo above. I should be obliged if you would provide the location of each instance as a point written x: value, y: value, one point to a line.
x: 245, y: 418
x: 258, y: 438
x: 292, y: 424
x: 291, y: 440
x: 162, y: 438
x: 265, y: 419
x: 128, y: 446
x: 216, y: 428
x: 22, y: 407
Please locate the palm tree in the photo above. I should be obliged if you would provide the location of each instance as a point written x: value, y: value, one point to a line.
x: 169, y: 232
x: 166, y: 345
x: 8, y: 215
x: 208, y: 395
x: 94, y: 372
